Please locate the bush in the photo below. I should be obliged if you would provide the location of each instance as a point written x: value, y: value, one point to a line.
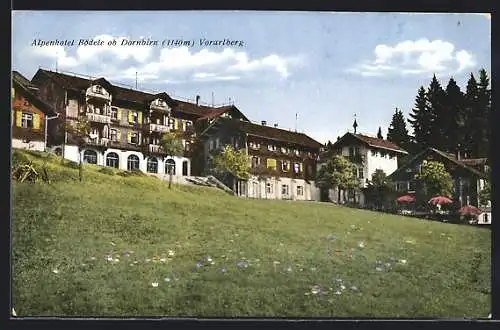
x: 71, y: 164
x: 107, y: 170
x: 18, y: 158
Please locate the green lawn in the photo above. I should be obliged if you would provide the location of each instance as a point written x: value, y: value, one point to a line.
x: 255, y: 257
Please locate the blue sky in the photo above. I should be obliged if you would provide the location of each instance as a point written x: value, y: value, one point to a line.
x: 323, y: 66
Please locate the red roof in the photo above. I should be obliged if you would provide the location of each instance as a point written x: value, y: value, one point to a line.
x: 379, y: 143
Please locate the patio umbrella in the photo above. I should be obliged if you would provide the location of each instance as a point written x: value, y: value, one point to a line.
x: 440, y: 200
x: 405, y: 199
x: 469, y: 209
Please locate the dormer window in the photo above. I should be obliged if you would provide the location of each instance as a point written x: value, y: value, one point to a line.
x: 188, y: 123
x: 297, y: 152
x: 284, y: 150
x: 271, y: 147
x: 98, y: 89
x: 254, y: 145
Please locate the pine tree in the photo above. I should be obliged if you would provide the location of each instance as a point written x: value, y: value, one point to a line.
x: 437, y: 114
x: 453, y: 125
x: 420, y: 120
x: 470, y: 111
x: 483, y: 117
x: 379, y: 134
x: 397, y: 132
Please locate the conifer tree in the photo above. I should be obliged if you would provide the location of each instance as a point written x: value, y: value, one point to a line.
x: 379, y: 134
x: 453, y: 125
x: 397, y: 132
x: 420, y: 120
x: 437, y: 114
x: 470, y: 111
x: 483, y: 117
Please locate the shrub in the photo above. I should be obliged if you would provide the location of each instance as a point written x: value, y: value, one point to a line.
x: 71, y: 164
x: 107, y: 170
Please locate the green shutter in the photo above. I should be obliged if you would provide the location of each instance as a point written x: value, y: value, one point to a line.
x: 19, y: 119
x: 140, y: 117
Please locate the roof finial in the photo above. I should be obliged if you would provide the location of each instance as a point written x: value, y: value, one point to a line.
x: 355, y: 124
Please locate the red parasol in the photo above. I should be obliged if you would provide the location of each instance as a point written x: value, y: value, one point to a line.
x: 469, y: 209
x: 405, y: 199
x: 440, y: 200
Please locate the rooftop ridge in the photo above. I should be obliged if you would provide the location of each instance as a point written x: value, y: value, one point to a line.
x: 143, y: 90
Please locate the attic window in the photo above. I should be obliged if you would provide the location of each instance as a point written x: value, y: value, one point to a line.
x: 284, y: 150
x: 271, y: 147
x: 297, y: 152
x: 98, y: 89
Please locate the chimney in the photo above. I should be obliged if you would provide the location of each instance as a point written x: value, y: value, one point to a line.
x: 264, y: 123
x: 275, y: 125
x: 197, y: 99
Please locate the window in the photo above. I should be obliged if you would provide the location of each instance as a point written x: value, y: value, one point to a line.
x: 374, y: 153
x: 391, y: 155
x: 152, y: 165
x: 297, y: 152
x: 211, y: 145
x: 90, y: 157
x: 185, y: 167
x: 297, y: 168
x: 360, y: 173
x: 485, y: 218
x: 171, y: 123
x: 27, y: 120
x: 187, y: 146
x: 300, y: 191
x: 114, y: 113
x: 113, y: 134
x: 285, y: 165
x: 271, y: 147
x: 284, y: 150
x: 284, y: 189
x: 255, y: 161
x: 170, y: 166
x: 383, y: 154
x: 132, y: 163
x: 112, y: 160
x: 135, y: 117
x: 269, y: 188
x: 271, y: 164
x: 134, y: 138
x: 254, y: 145
x: 98, y: 89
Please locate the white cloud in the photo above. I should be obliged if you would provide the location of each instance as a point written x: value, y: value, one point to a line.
x: 415, y: 57
x: 166, y: 64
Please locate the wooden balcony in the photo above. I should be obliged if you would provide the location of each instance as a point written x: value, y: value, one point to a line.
x: 157, y: 128
x: 99, y: 96
x: 98, y: 118
x: 101, y: 142
x: 153, y: 148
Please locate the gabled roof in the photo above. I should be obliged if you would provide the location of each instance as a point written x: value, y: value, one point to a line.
x: 219, y: 111
x: 373, y: 142
x: 267, y: 132
x: 447, y: 156
x: 20, y: 83
x: 79, y: 84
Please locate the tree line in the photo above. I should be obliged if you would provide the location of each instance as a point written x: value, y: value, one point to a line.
x: 447, y: 119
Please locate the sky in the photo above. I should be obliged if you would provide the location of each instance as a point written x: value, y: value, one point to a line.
x: 310, y: 71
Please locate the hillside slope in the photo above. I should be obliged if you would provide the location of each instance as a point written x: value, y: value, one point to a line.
x: 129, y: 246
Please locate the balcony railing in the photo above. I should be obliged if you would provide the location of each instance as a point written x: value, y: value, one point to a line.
x: 97, y: 141
x: 101, y: 96
x: 98, y: 118
x: 155, y: 148
x: 158, y: 128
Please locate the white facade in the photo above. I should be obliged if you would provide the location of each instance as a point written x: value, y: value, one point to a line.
x: 182, y: 164
x: 282, y: 188
x: 484, y: 218
x: 32, y: 145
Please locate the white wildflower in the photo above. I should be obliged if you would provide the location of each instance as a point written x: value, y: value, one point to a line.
x: 154, y: 284
x: 55, y: 271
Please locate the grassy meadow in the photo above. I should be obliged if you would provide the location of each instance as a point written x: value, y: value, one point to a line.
x: 129, y: 246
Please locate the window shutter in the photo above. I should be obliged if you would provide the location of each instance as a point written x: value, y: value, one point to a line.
x: 130, y: 117
x: 129, y: 137
x: 19, y: 119
x: 118, y: 135
x: 139, y: 138
x: 140, y: 117
x: 176, y: 124
x: 36, y: 121
x: 119, y: 114
x: 13, y: 93
x: 301, y: 167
